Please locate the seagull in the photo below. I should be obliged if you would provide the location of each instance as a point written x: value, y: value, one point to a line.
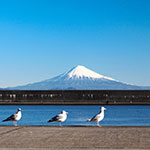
x: 59, y: 118
x: 98, y: 117
x: 14, y: 117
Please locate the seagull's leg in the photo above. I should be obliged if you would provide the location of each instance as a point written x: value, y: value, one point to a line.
x: 98, y: 124
x: 15, y: 123
x: 60, y: 124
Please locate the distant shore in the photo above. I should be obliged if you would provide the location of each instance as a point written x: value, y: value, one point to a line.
x: 75, y: 137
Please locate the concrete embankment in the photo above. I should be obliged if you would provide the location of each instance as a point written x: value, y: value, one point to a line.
x: 74, y: 97
x: 74, y: 137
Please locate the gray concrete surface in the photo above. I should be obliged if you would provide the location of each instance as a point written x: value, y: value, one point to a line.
x: 73, y: 137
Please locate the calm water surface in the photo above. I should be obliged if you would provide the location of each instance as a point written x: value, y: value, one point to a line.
x: 137, y: 115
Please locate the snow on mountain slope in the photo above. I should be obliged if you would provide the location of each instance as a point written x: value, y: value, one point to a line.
x: 82, y: 72
x: 79, y: 78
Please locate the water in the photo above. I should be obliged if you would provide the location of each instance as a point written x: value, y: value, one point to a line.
x: 126, y: 115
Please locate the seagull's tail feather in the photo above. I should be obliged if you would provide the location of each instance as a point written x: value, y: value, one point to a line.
x: 5, y: 120
x: 88, y: 120
x: 50, y: 120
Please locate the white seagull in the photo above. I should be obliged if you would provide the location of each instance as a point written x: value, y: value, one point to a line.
x: 98, y: 117
x: 59, y: 118
x: 14, y: 117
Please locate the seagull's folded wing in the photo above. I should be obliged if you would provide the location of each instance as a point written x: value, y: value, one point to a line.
x: 95, y: 118
x: 11, y: 118
x: 56, y: 118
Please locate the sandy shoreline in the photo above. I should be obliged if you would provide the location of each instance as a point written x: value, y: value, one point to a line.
x: 74, y: 137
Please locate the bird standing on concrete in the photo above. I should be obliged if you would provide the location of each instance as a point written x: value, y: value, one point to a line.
x: 15, y: 117
x: 59, y: 118
x: 100, y: 116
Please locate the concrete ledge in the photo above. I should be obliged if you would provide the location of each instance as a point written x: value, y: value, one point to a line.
x: 74, y: 137
x: 77, y: 103
x: 74, y: 97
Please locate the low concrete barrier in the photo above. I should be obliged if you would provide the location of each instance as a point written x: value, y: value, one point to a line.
x: 75, y: 97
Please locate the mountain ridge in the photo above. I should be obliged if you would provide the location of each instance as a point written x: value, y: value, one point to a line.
x: 79, y: 78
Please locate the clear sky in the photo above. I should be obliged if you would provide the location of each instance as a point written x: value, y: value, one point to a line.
x: 40, y: 39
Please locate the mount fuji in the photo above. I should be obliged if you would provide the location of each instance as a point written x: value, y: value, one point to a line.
x: 79, y: 78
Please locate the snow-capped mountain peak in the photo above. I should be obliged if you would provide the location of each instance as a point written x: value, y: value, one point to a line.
x: 80, y: 72
x: 79, y: 78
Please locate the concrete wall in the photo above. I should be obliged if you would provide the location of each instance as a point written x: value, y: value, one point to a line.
x: 75, y: 97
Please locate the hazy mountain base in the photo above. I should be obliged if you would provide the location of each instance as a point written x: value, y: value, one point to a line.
x: 80, y: 84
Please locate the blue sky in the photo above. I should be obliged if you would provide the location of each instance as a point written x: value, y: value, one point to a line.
x: 40, y: 39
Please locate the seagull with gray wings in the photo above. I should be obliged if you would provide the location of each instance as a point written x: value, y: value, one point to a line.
x: 15, y: 117
x: 98, y: 117
x: 59, y: 118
